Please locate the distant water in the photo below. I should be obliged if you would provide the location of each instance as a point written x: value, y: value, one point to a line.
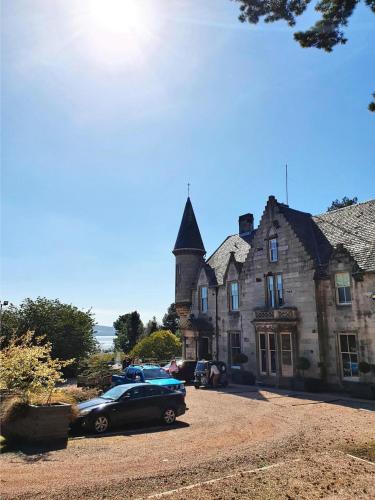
x: 105, y: 341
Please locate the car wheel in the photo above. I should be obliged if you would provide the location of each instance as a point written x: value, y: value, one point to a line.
x: 196, y: 386
x: 169, y: 416
x: 100, y: 424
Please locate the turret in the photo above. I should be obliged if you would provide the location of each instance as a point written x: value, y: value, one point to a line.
x: 189, y: 252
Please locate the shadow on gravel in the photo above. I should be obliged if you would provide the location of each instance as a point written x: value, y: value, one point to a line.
x: 35, y: 452
x: 272, y: 394
x: 129, y: 430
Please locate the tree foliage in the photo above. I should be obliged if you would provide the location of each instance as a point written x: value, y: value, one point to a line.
x: 345, y: 202
x: 27, y: 366
x: 152, y: 326
x: 129, y: 329
x: 170, y: 319
x: 160, y: 345
x: 326, y: 33
x: 69, y: 330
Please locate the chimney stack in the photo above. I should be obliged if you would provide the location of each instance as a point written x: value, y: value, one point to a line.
x: 245, y: 224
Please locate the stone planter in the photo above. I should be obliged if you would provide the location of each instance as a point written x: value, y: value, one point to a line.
x: 40, y: 424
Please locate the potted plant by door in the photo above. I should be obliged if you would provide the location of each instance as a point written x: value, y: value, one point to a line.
x: 27, y: 368
x: 242, y: 376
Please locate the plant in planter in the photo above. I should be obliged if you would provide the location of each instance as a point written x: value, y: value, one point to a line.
x: 27, y: 368
x: 244, y: 377
x: 302, y: 365
x: 364, y: 367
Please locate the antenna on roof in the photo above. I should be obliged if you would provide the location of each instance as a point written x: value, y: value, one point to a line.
x: 286, y: 183
x: 188, y: 186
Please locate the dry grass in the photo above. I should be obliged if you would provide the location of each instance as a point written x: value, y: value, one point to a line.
x: 365, y: 451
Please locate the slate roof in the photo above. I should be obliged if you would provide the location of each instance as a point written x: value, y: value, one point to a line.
x: 310, y: 235
x: 189, y: 235
x: 218, y: 261
x: 354, y: 227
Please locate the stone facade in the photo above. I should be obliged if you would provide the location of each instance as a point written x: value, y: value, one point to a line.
x: 296, y: 287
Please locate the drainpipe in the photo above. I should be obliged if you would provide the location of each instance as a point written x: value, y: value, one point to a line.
x: 216, y: 323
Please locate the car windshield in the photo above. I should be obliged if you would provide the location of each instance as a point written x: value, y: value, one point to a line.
x: 114, y: 393
x: 152, y: 373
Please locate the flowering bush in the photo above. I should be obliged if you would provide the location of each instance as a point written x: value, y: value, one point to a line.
x: 26, y: 366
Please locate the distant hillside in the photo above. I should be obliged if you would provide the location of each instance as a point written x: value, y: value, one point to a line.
x: 104, y: 330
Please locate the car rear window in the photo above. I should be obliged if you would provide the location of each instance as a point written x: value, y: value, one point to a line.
x: 200, y: 366
x: 154, y: 373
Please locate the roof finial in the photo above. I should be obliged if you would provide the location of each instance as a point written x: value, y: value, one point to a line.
x: 188, y: 186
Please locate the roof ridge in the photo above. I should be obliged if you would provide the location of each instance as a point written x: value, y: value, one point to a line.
x: 348, y: 207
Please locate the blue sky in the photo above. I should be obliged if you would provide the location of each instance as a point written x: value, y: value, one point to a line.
x: 104, y: 122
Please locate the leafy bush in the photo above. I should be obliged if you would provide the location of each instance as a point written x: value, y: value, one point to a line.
x: 160, y: 345
x: 364, y: 367
x: 303, y: 364
x: 69, y: 330
x: 27, y: 367
x: 97, y: 369
x: 240, y: 358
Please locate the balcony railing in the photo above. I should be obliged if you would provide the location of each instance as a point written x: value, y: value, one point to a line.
x: 285, y: 314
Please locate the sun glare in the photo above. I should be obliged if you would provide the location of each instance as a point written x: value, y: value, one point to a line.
x: 118, y: 16
x: 119, y: 32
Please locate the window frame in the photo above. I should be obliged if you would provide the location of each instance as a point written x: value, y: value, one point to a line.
x: 350, y: 354
x: 337, y: 294
x: 268, y: 353
x: 231, y: 335
x: 272, y: 250
x: 230, y: 296
x: 276, y: 299
x: 203, y: 300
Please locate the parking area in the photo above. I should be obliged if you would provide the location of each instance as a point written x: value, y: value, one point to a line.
x: 224, y: 433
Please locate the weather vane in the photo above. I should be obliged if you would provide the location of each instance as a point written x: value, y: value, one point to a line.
x: 188, y: 186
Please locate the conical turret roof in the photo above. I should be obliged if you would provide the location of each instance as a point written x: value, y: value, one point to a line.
x: 189, y: 236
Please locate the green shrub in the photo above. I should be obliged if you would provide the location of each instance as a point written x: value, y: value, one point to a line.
x: 303, y: 363
x: 240, y: 358
x: 364, y: 367
x: 160, y: 345
x: 26, y: 366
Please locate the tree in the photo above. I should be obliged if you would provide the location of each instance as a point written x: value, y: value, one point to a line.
x: 160, y: 345
x: 152, y: 326
x: 325, y: 34
x: 170, y: 319
x: 345, y: 202
x: 129, y: 329
x: 69, y: 330
x: 26, y: 366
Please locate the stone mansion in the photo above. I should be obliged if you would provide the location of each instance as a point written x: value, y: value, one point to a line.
x: 297, y: 286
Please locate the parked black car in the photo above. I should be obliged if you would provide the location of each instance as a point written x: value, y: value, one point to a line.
x: 186, y: 370
x: 202, y: 374
x: 130, y: 403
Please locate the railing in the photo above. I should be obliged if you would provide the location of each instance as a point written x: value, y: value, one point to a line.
x: 286, y: 314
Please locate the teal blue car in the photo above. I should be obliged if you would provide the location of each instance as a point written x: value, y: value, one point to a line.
x: 152, y: 374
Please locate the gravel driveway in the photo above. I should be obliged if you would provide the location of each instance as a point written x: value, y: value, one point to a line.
x: 223, y: 433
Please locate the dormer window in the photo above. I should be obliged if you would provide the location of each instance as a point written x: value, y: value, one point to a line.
x: 273, y: 253
x: 343, y: 292
x: 204, y: 299
x: 233, y: 296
